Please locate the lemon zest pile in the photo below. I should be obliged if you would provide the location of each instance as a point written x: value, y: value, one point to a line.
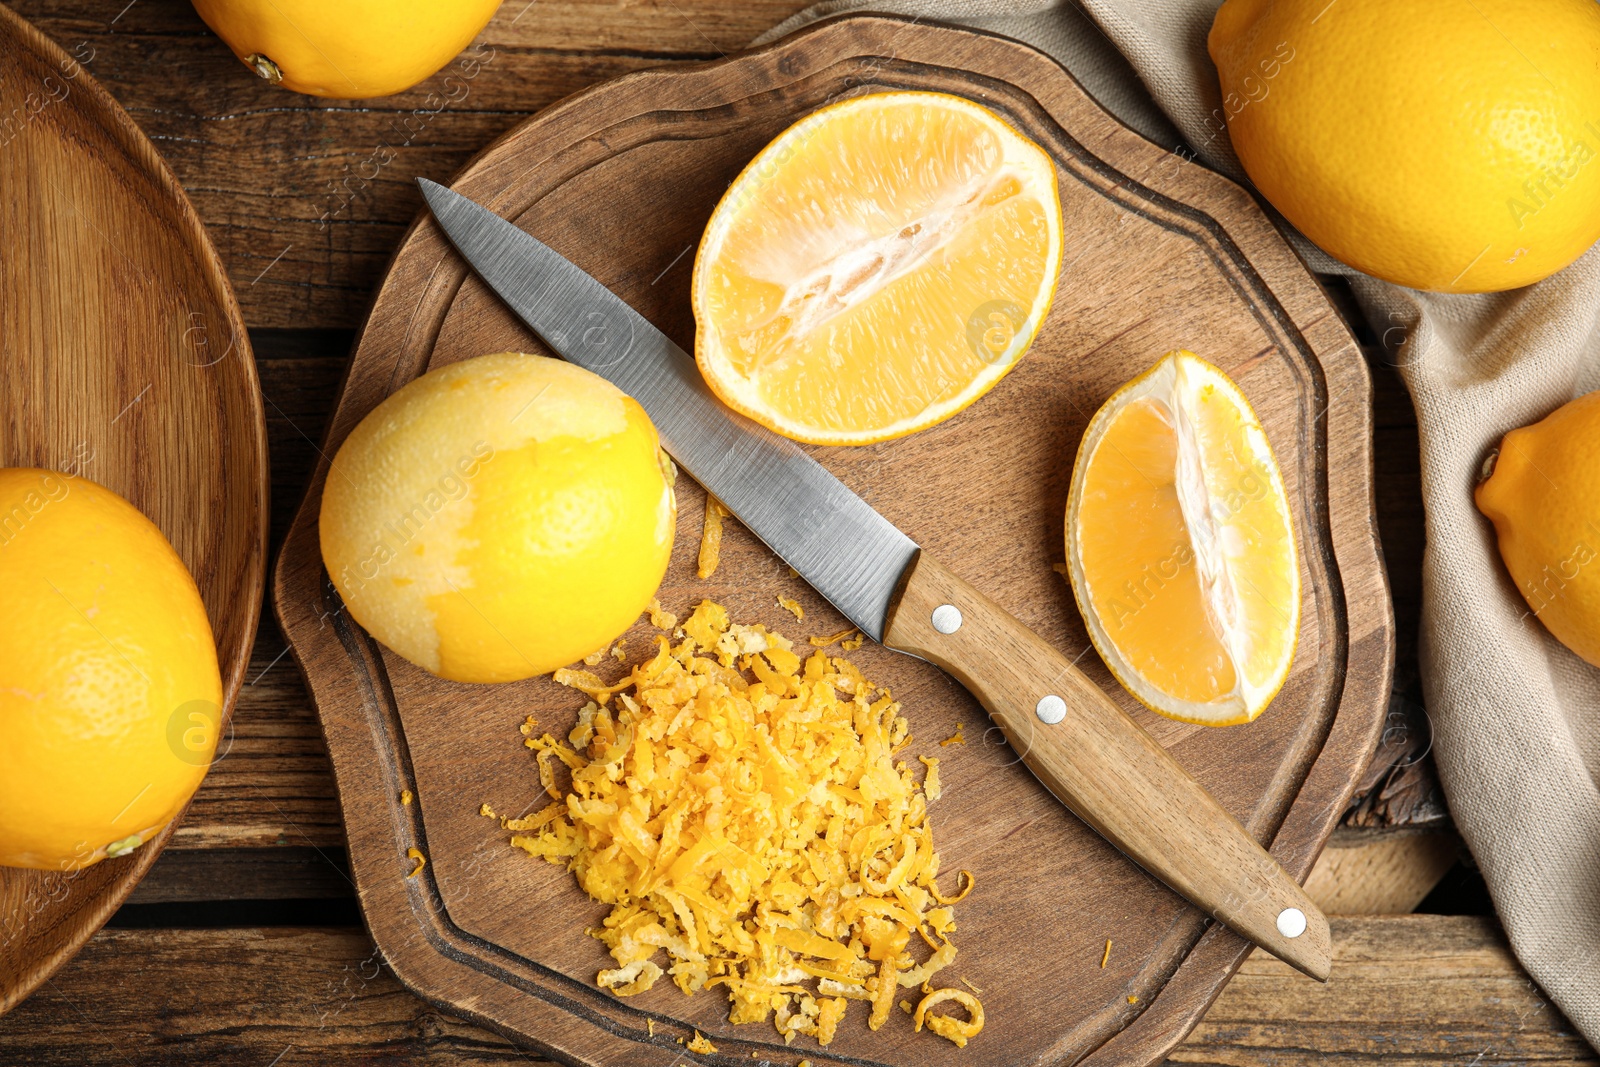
x: 711, y: 537
x: 743, y: 809
x: 700, y: 1044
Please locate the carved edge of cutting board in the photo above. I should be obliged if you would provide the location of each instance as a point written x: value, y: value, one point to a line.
x: 349, y: 668
x: 69, y: 908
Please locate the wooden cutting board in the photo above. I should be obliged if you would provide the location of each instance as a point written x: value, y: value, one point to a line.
x: 1159, y: 254
x: 123, y: 359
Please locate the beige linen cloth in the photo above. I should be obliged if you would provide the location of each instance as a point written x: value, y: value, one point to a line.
x: 1516, y: 716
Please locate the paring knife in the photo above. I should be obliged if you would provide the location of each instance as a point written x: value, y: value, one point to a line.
x: 1093, y: 757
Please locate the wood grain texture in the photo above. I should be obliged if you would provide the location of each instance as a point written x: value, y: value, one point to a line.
x: 1361, y: 872
x: 249, y: 156
x: 1381, y: 874
x: 621, y: 179
x: 284, y: 872
x: 122, y: 359
x: 1412, y: 991
x: 307, y: 198
x: 271, y: 784
x: 1417, y: 991
x: 1104, y: 766
x: 275, y: 786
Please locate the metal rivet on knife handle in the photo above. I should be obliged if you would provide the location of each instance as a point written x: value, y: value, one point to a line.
x: 947, y: 618
x: 1107, y: 769
x: 1051, y: 709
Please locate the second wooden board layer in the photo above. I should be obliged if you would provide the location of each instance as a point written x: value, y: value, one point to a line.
x: 1160, y: 254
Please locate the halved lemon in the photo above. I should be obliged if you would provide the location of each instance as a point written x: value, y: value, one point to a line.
x: 1181, y: 548
x: 877, y: 268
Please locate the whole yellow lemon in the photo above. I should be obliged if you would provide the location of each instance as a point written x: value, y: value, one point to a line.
x: 500, y: 517
x: 1438, y: 144
x: 1543, y: 496
x: 351, y: 49
x: 110, y: 697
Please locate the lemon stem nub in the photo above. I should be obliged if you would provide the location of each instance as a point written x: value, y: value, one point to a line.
x: 1486, y: 469
x: 264, y: 67
x: 123, y: 847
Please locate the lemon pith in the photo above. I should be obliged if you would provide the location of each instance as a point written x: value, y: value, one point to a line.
x: 499, y: 517
x: 110, y: 694
x: 1180, y: 546
x: 877, y: 268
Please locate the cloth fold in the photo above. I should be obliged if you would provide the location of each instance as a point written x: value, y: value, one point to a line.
x: 1516, y: 717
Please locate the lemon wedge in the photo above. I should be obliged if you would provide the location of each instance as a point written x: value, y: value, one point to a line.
x: 1181, y: 548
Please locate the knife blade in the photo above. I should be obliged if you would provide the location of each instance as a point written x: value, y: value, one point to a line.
x: 1094, y: 758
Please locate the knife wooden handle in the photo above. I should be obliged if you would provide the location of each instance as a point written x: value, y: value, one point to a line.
x: 1104, y: 766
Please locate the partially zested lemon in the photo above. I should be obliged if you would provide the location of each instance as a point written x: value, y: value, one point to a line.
x: 877, y: 268
x: 499, y: 517
x: 1180, y: 545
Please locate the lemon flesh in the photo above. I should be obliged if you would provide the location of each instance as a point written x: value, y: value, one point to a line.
x: 499, y: 518
x: 877, y: 268
x: 1180, y: 546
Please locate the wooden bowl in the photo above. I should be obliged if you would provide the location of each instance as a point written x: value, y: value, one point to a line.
x: 1160, y: 254
x: 123, y: 359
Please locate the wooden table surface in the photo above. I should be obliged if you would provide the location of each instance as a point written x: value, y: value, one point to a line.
x: 243, y: 946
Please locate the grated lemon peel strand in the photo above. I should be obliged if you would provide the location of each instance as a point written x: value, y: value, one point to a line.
x: 742, y: 808
x: 710, y: 539
x: 947, y: 1026
x: 824, y: 640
